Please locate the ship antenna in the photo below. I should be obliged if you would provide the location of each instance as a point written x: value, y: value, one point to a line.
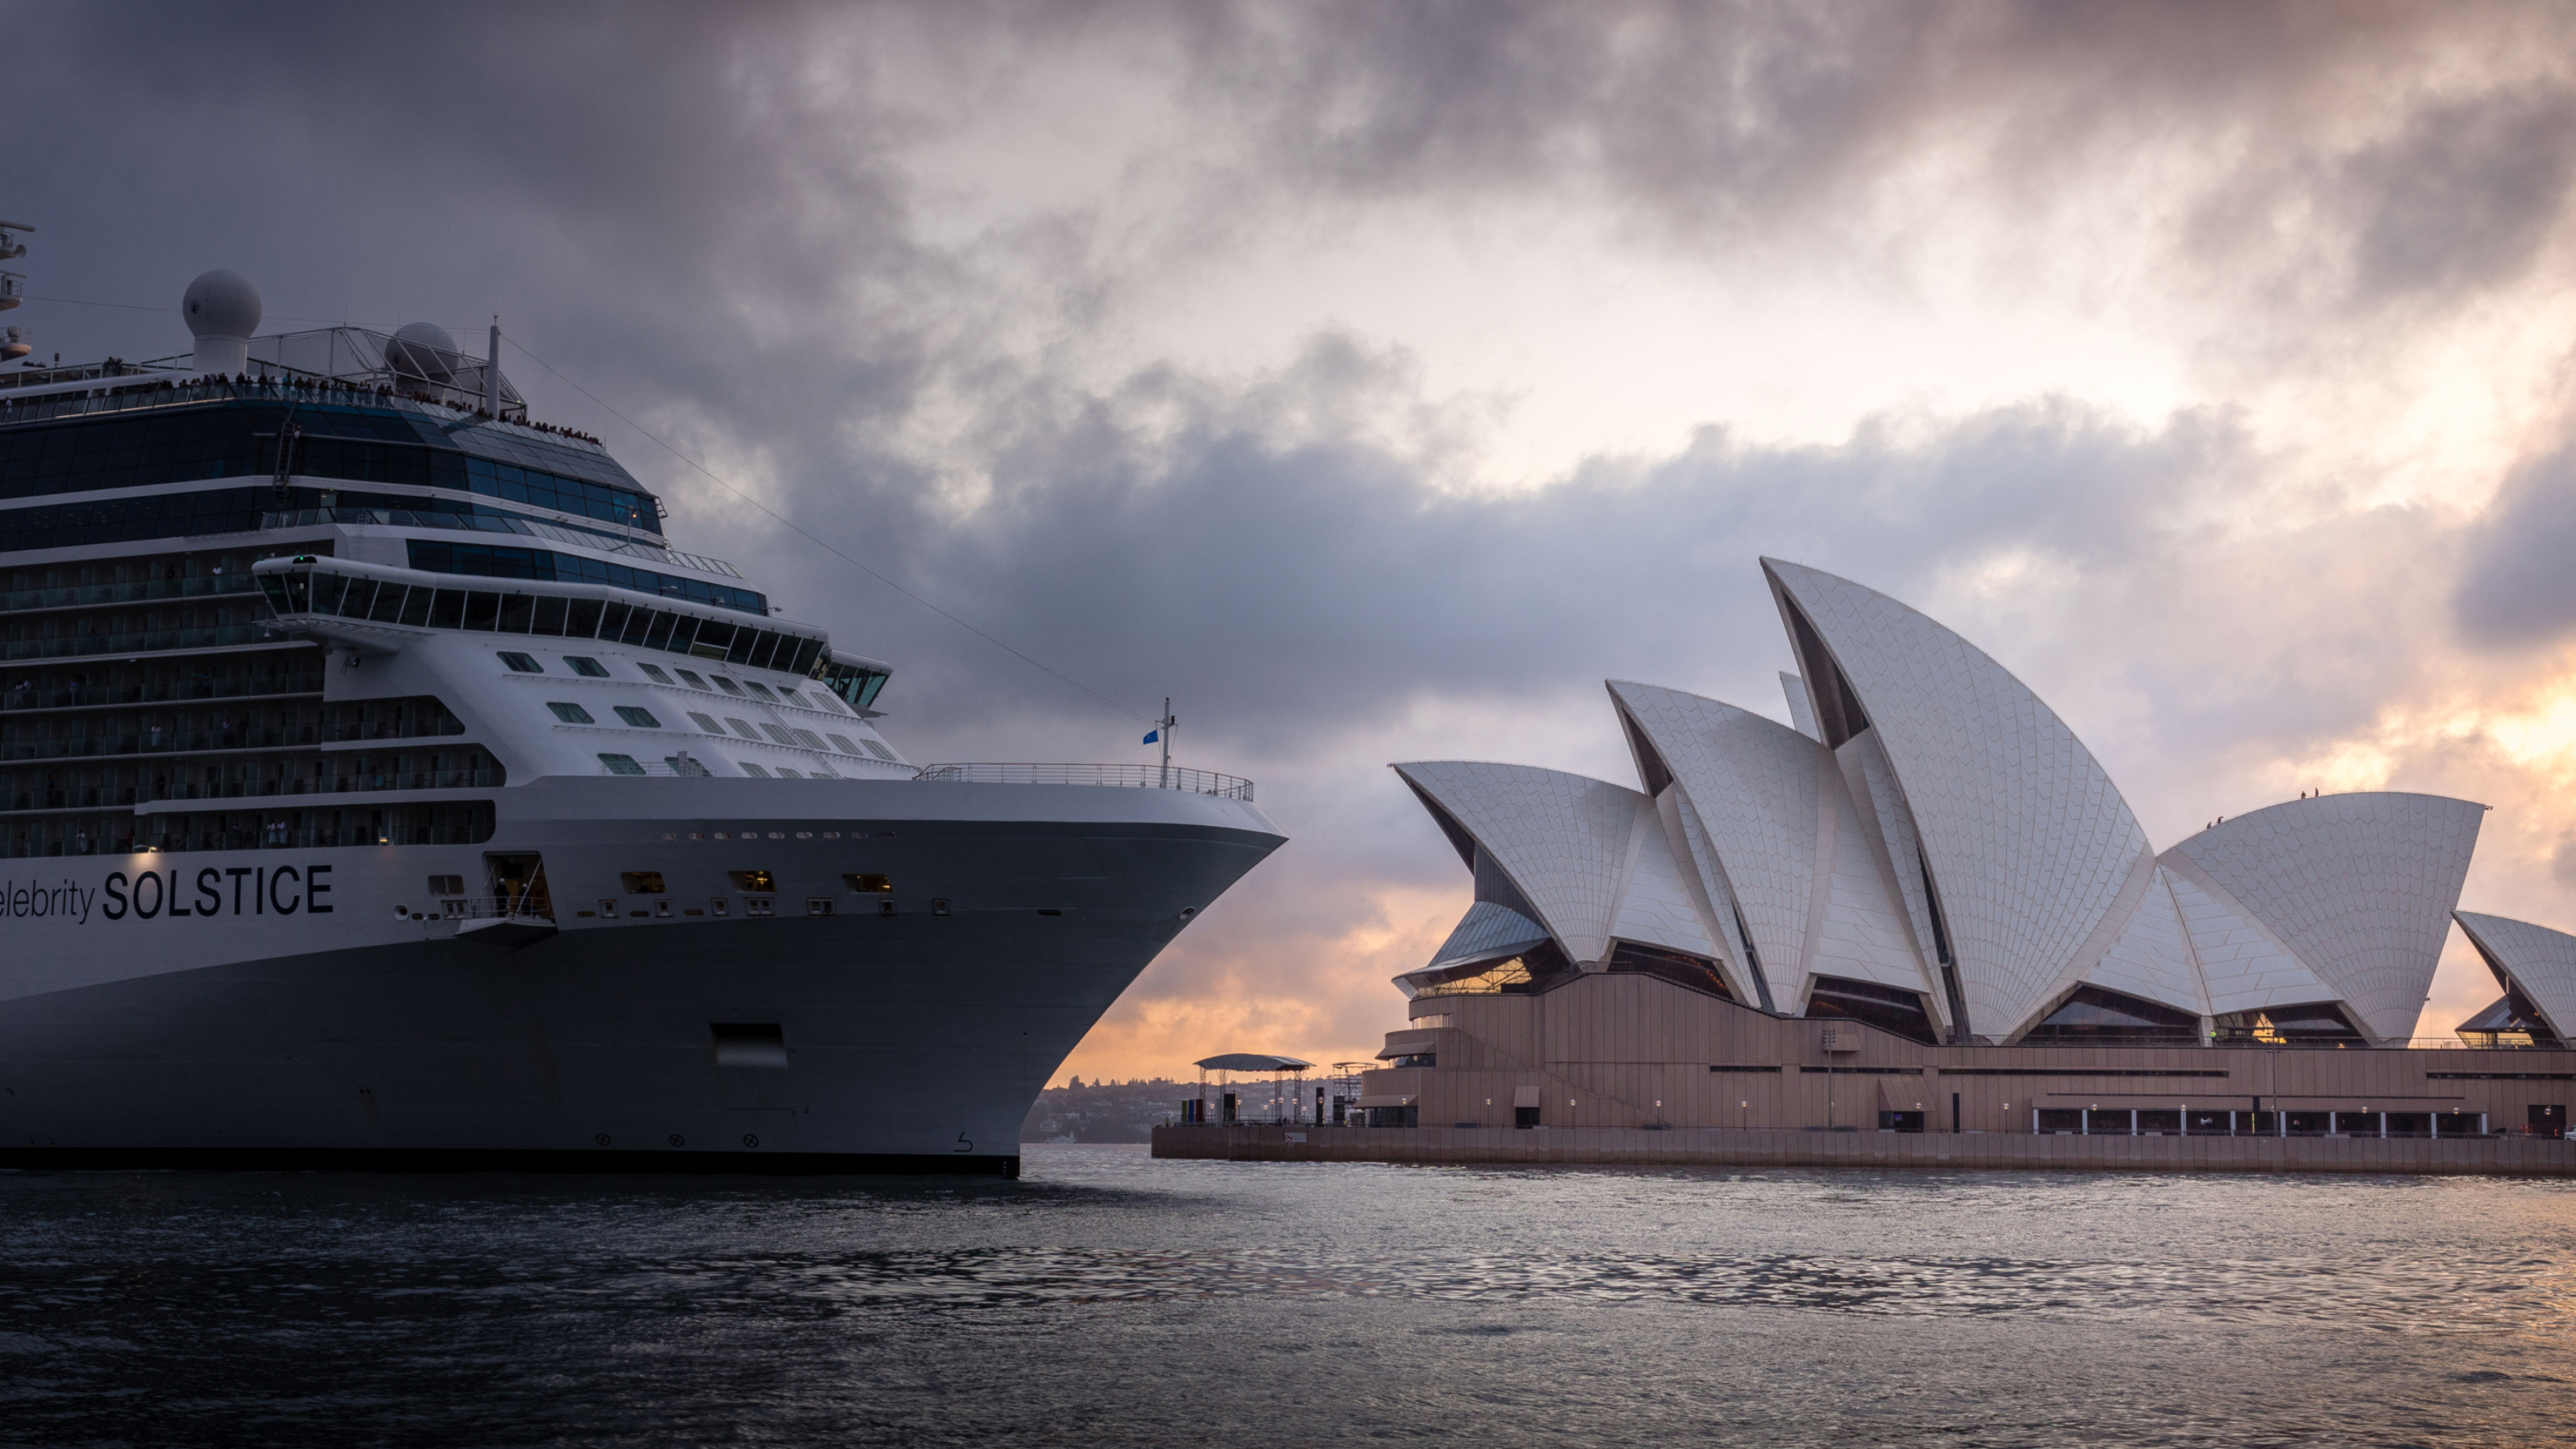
x: 492, y: 372
x: 1163, y: 728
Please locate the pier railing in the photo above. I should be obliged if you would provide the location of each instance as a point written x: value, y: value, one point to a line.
x: 1145, y: 777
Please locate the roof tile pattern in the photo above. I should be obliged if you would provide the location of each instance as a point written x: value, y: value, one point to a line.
x: 2151, y: 960
x: 2539, y: 960
x: 1563, y: 839
x: 2028, y: 839
x: 2241, y: 966
x: 1655, y: 905
x: 1752, y: 785
x: 2361, y: 887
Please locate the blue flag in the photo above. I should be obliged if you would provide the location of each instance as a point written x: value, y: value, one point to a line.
x: 1153, y: 735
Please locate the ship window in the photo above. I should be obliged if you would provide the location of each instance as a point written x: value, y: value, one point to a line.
x: 389, y: 604
x: 654, y: 673
x: 482, y: 610
x: 785, y: 773
x: 612, y: 619
x: 844, y: 742
x: 691, y: 680
x: 642, y: 719
x: 621, y: 764
x: 639, y: 622
x: 780, y: 735
x: 706, y: 722
x: 659, y: 633
x: 881, y: 752
x: 741, y: 727
x: 549, y: 618
x: 521, y: 663
x: 570, y: 713
x: 761, y: 690
x: 727, y: 685
x: 586, y: 667
x: 754, y: 880
x: 581, y: 618
x: 754, y: 771
x: 870, y: 884
x: 515, y: 610
x: 683, y: 765
x: 326, y: 592
x: 789, y: 696
x: 642, y: 882
x: 361, y: 596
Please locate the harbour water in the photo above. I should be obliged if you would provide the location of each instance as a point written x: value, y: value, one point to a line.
x: 1106, y: 1298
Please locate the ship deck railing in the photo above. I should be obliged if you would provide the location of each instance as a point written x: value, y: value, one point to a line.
x: 1147, y: 777
x: 27, y: 695
x: 198, y: 742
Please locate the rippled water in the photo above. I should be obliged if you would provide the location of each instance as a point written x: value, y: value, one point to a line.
x: 1106, y: 1298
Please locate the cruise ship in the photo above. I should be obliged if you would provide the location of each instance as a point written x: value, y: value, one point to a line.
x: 383, y: 789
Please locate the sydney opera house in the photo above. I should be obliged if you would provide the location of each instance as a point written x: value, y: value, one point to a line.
x: 1926, y: 907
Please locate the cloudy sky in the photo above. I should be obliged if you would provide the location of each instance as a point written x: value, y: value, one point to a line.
x: 1377, y: 379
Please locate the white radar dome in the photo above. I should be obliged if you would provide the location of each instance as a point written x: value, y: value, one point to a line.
x: 222, y: 309
x: 424, y: 350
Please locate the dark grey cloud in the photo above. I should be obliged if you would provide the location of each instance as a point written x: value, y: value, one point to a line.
x: 2518, y: 573
x: 2464, y: 195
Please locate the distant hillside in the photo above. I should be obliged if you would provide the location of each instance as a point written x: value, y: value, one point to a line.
x: 1104, y: 1111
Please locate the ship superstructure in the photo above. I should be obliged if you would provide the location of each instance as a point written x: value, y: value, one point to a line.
x: 380, y: 784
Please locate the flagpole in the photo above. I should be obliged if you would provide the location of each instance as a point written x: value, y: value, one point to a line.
x: 1163, y: 729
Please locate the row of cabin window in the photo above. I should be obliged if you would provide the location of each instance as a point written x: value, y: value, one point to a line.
x: 552, y: 615
x: 377, y: 448
x: 643, y: 719
x: 590, y: 668
x: 683, y: 765
x: 512, y: 561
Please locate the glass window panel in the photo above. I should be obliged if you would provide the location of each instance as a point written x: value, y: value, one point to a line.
x: 713, y: 637
x: 640, y: 718
x: 743, y: 640
x: 637, y: 622
x: 761, y: 651
x: 658, y: 633
x: 415, y: 609
x: 354, y: 603
x: 684, y: 628
x: 581, y: 618
x: 389, y: 603
x: 448, y: 612
x: 612, y: 618
x: 481, y: 609
x: 515, y: 610
x: 327, y: 589
x: 570, y: 713
x: 549, y: 617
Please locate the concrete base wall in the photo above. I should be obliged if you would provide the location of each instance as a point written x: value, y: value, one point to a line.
x: 1727, y: 1147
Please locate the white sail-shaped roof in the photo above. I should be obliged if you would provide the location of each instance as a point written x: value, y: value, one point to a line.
x: 1564, y: 840
x: 2359, y: 887
x: 2537, y: 960
x: 2029, y: 843
x: 2243, y: 967
x: 1788, y: 843
x: 2151, y: 958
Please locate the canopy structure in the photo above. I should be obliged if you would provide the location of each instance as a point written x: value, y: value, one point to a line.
x: 1253, y: 1062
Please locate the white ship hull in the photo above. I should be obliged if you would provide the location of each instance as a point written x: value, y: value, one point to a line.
x: 258, y: 1030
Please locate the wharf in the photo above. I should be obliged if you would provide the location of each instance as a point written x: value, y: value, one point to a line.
x: 2511, y: 1155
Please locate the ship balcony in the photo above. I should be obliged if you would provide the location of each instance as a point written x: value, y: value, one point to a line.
x: 137, y: 642
x: 1147, y: 777
x: 369, y: 782
x: 29, y: 696
x: 137, y: 591
x: 198, y: 742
